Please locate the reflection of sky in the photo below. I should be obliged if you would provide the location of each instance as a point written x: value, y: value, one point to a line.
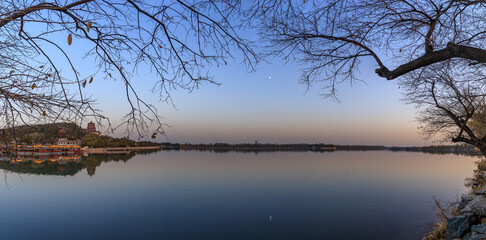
x: 197, y: 195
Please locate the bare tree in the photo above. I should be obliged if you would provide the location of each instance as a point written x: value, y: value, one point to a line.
x: 333, y: 37
x: 451, y: 98
x: 178, y: 39
x: 41, y: 79
x: 435, y: 47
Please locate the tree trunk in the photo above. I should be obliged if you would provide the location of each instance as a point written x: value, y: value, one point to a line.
x: 482, y: 148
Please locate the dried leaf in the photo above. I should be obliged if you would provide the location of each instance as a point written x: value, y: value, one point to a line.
x: 33, y: 86
x: 84, y: 83
x: 225, y: 63
x: 88, y: 26
x: 91, y: 80
x: 44, y: 113
x: 70, y: 39
x: 11, y: 72
x: 121, y: 68
x: 154, y: 135
x: 109, y: 74
x: 41, y: 66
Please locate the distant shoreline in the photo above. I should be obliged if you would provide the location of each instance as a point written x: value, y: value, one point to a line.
x: 115, y: 150
x: 226, y: 147
x: 269, y: 147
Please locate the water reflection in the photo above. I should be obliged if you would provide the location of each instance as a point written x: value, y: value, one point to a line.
x: 207, y: 195
x: 69, y: 165
x: 66, y: 165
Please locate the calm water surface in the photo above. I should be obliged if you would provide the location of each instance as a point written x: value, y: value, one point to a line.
x: 204, y: 195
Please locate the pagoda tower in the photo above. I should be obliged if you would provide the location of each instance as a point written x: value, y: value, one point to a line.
x: 91, y: 127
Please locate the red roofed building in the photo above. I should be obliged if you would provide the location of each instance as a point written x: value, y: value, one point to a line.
x: 92, y: 128
x: 62, y: 132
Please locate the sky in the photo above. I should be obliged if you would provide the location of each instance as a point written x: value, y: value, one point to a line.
x: 267, y: 105
x: 270, y: 106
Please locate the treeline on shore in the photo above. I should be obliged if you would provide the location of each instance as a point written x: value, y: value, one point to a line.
x: 50, y: 133
x: 462, y: 149
x: 320, y: 147
x: 249, y: 147
x: 97, y: 141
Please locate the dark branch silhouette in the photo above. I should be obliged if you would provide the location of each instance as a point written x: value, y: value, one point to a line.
x: 452, y: 101
x: 332, y: 38
x: 41, y: 79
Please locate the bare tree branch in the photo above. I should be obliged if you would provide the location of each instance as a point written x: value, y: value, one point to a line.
x: 42, y: 81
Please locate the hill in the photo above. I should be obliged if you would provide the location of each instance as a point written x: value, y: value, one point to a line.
x: 44, y: 133
x: 50, y: 133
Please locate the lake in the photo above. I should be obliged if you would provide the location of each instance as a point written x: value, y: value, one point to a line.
x: 207, y: 195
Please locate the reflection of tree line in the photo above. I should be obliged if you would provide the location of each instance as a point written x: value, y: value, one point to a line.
x: 44, y: 168
x: 65, y: 168
x: 467, y: 150
x: 90, y: 163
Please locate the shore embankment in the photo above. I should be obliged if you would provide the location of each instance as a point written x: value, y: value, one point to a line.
x: 109, y: 150
x: 469, y: 221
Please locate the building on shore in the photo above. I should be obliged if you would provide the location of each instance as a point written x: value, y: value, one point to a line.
x: 66, y: 142
x: 15, y: 141
x: 92, y: 128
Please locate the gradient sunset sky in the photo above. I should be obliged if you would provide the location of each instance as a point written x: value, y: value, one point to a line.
x: 270, y: 106
x: 267, y: 105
